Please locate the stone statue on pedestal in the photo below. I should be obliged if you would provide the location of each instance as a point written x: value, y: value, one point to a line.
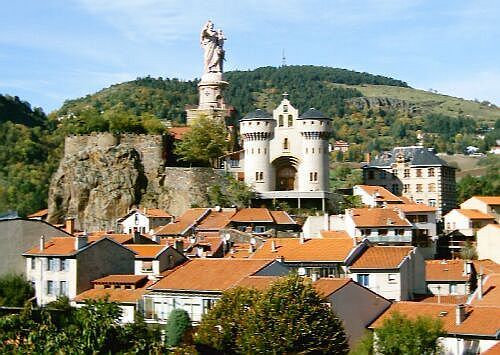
x: 212, y: 42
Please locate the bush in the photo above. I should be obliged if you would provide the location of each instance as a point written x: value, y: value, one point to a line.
x: 177, y: 325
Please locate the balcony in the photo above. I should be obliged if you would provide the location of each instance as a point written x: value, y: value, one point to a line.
x: 388, y: 238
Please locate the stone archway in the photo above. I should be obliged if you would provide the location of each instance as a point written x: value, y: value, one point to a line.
x: 286, y: 173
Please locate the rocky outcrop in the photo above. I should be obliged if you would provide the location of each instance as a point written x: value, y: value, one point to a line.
x: 102, y: 176
x: 386, y: 103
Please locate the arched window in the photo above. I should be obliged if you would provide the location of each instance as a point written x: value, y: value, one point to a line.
x: 315, y: 176
x: 261, y: 176
x: 290, y: 120
x: 285, y: 144
x: 280, y: 120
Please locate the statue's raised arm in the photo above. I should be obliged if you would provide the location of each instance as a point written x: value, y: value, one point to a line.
x: 212, y: 43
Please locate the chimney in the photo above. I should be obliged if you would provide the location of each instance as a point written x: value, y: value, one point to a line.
x: 314, y: 277
x: 326, y: 222
x: 156, y: 238
x: 199, y: 252
x: 70, y: 225
x: 467, y: 267
x: 137, y: 236
x: 179, y: 245
x: 81, y: 240
x: 42, y: 242
x: 273, y: 246
x: 460, y: 314
x: 280, y: 259
x: 251, y: 248
x: 302, y: 240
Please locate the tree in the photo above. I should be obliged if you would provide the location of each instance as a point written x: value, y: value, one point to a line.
x: 230, y: 192
x: 401, y: 335
x: 290, y: 317
x: 14, y: 290
x: 204, y: 143
x: 177, y: 325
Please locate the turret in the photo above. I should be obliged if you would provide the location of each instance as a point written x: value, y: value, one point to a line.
x: 315, y: 130
x: 256, y: 130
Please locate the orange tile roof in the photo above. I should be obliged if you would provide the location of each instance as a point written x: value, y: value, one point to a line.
x: 114, y: 295
x: 120, y: 279
x: 258, y: 282
x: 445, y: 299
x: 178, y: 132
x: 491, y: 292
x: 486, y: 266
x: 282, y: 217
x: 483, y: 321
x: 146, y: 251
x: 382, y: 193
x: 215, y: 220
x: 156, y: 213
x: 334, y: 234
x: 213, y: 243
x: 445, y: 270
x: 182, y: 224
x: 330, y: 249
x: 473, y: 214
x: 494, y: 350
x: 377, y: 217
x: 490, y: 200
x: 40, y: 213
x: 211, y: 274
x: 382, y: 257
x: 415, y: 207
x: 56, y: 246
x: 120, y: 238
x: 253, y: 215
x: 239, y: 250
x: 326, y: 286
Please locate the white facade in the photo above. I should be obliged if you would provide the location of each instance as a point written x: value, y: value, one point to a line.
x: 456, y: 220
x: 488, y: 243
x: 285, y: 152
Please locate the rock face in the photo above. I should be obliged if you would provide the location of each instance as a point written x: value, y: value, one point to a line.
x: 366, y: 103
x: 101, y: 176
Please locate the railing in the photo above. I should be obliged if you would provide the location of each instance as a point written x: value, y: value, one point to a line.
x: 389, y: 238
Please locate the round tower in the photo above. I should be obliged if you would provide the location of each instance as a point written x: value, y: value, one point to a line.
x: 315, y: 130
x: 256, y: 129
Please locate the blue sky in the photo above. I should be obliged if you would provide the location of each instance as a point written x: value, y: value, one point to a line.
x: 53, y: 50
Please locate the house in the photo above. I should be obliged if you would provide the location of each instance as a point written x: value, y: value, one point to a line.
x: 465, y: 221
x: 469, y: 329
x: 356, y: 305
x: 340, y: 146
x: 39, y: 215
x: 379, y: 225
x: 417, y: 173
x: 196, y: 285
x: 122, y: 238
x: 153, y: 259
x: 394, y: 272
x: 319, y: 257
x: 18, y: 235
x: 126, y: 290
x: 486, y: 204
x: 262, y: 220
x: 65, y: 266
x: 450, y: 277
x: 184, y: 225
x: 144, y: 219
x: 488, y: 242
x: 375, y: 196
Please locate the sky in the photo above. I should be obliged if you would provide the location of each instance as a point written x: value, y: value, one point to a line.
x: 54, y: 50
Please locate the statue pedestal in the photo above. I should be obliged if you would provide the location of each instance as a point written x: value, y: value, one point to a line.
x: 211, y: 102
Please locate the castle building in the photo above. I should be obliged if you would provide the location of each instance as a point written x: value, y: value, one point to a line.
x: 417, y: 173
x: 285, y: 155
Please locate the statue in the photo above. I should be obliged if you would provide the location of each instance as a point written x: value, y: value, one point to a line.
x: 212, y: 42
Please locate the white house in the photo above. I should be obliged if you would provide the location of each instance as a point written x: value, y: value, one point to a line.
x: 466, y: 221
x: 199, y: 283
x: 65, y: 266
x: 449, y: 277
x: 375, y: 196
x: 144, y: 219
x: 486, y: 204
x: 153, y: 259
x: 395, y: 272
x: 488, y: 242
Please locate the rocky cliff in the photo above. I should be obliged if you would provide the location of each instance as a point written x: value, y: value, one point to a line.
x: 101, y: 176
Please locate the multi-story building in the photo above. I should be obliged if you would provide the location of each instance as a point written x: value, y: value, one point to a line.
x: 485, y: 204
x: 416, y: 173
x: 144, y: 219
x: 285, y: 155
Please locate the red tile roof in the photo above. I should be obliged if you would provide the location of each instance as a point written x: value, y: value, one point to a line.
x: 282, y: 217
x: 119, y: 295
x: 215, y: 220
x: 258, y: 282
x: 41, y: 213
x: 182, y: 224
x: 490, y: 200
x: 120, y: 238
x: 494, y: 350
x: 334, y: 234
x: 156, y: 213
x: 56, y: 246
x: 212, y: 274
x: 381, y: 193
x: 147, y: 251
x: 377, y: 217
x: 445, y: 299
x: 253, y: 215
x: 330, y: 249
x: 326, y: 286
x: 120, y: 280
x: 474, y: 214
x: 486, y: 266
x: 382, y: 257
x: 491, y: 292
x: 178, y: 132
x: 445, y: 270
x: 415, y: 207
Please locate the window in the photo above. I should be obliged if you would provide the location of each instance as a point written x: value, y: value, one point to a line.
x: 313, y: 176
x: 400, y: 231
x: 419, y: 172
x: 366, y: 231
x: 407, y: 173
x: 259, y: 176
x: 136, y: 218
x: 395, y: 189
x: 430, y: 172
x: 391, y: 278
x: 364, y: 279
x: 312, y: 150
x: 147, y: 266
x: 63, y: 265
x: 53, y: 264
x: 395, y: 172
x: 280, y: 120
x: 285, y: 144
x: 406, y: 188
x: 285, y: 108
x: 207, y: 305
x: 265, y: 150
x: 33, y: 265
x: 259, y: 229
x: 50, y: 287
x: 382, y: 174
x: 432, y: 202
x: 419, y: 201
x: 453, y: 288
x: 290, y: 120
x: 382, y: 232
x: 422, y: 218
x: 63, y: 288
x: 419, y: 188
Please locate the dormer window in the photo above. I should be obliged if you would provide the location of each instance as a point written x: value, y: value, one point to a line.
x: 285, y: 108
